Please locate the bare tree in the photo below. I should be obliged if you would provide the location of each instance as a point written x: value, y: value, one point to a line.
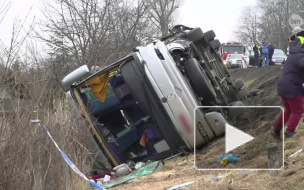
x: 91, y: 32
x: 161, y: 13
x: 247, y: 29
x: 4, y: 8
x: 28, y: 82
x: 10, y: 52
x: 268, y: 21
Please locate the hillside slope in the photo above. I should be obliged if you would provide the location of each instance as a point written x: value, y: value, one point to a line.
x: 181, y: 169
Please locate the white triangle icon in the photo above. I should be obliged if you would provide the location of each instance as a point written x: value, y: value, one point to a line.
x: 235, y: 138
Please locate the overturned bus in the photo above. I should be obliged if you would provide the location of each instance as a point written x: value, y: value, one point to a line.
x: 143, y: 107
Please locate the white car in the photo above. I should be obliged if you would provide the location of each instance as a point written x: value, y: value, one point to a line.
x: 235, y: 61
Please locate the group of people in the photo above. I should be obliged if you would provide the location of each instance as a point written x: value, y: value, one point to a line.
x: 291, y: 86
x: 266, y: 52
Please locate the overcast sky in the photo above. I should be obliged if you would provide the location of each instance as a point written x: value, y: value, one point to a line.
x: 18, y: 10
x: 218, y: 15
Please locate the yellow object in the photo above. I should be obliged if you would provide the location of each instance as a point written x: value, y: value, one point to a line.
x: 260, y: 48
x: 100, y: 84
x: 301, y: 38
x: 225, y: 161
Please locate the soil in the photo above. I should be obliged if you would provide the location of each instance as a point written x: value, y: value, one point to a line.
x: 180, y: 170
x: 254, y: 121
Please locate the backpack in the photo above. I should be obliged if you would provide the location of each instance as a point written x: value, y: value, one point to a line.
x: 265, y: 50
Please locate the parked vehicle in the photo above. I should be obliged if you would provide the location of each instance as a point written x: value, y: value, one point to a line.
x: 235, y: 61
x: 250, y: 60
x: 232, y: 47
x: 249, y: 57
x: 143, y: 107
x: 279, y: 57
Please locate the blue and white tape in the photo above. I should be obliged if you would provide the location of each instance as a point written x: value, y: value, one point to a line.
x: 220, y: 177
x: 76, y: 170
x: 181, y: 185
x: 68, y: 161
x: 296, y: 153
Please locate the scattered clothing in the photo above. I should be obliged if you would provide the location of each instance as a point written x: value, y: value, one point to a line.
x: 146, y: 170
x: 101, y: 175
x: 226, y: 158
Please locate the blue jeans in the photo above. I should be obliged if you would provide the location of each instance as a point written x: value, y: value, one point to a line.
x: 265, y: 60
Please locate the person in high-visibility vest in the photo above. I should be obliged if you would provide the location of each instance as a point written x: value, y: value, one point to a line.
x: 260, y: 47
x: 290, y: 88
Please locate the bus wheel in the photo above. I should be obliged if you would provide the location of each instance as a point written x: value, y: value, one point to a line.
x: 209, y: 35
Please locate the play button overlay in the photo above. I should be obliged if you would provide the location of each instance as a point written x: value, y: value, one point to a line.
x: 235, y: 138
x: 239, y: 138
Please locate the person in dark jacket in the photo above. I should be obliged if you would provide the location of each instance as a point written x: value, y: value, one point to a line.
x: 271, y: 51
x: 256, y: 55
x: 290, y: 88
x: 265, y: 54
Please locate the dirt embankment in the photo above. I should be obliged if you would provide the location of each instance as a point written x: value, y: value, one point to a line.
x: 254, y: 121
x: 261, y: 78
x: 181, y: 169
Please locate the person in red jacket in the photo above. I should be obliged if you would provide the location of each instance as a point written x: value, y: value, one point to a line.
x: 225, y: 56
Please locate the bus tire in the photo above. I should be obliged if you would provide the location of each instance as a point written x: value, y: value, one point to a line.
x: 200, y: 82
x: 216, y: 44
x: 194, y: 35
x: 238, y: 84
x: 243, y: 94
x: 209, y: 35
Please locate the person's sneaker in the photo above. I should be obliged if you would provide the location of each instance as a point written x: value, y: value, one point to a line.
x: 289, y: 135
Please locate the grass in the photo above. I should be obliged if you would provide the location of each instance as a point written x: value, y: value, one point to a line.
x: 288, y: 152
x: 290, y: 143
x: 249, y: 83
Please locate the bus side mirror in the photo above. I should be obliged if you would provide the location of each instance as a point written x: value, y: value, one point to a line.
x: 74, y: 76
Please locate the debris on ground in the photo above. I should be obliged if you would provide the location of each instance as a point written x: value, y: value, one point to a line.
x: 227, y: 158
x: 142, y: 171
x: 182, y: 163
x: 139, y: 165
x: 265, y: 80
x: 181, y: 185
